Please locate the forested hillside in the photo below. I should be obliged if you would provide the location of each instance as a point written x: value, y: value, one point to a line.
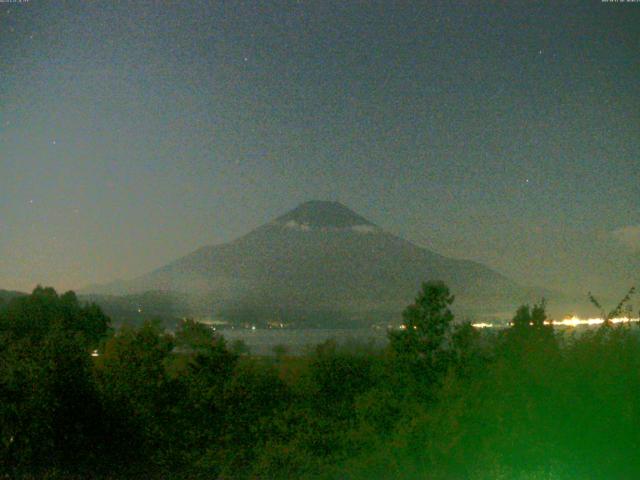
x: 442, y: 401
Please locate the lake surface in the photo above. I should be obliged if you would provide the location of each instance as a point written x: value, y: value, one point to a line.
x: 297, y: 341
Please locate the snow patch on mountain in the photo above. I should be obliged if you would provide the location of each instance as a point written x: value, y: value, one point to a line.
x: 305, y: 227
x: 292, y: 224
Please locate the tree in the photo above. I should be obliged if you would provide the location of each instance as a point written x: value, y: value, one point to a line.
x: 467, y: 353
x: 50, y: 415
x: 422, y: 339
x: 527, y: 318
x: 34, y: 316
x: 138, y: 394
x: 208, y: 368
x: 252, y: 396
x: 530, y: 334
x: 617, y: 310
x: 194, y: 336
x: 427, y: 320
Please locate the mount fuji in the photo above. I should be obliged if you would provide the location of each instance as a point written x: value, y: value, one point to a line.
x: 321, y: 262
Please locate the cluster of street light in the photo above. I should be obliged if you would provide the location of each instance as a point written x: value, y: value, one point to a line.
x: 572, y: 321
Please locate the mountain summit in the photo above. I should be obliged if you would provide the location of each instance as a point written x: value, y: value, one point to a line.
x: 323, y: 214
x: 321, y: 261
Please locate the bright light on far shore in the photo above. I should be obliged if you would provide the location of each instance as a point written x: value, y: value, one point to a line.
x: 576, y: 321
x: 482, y: 325
x: 567, y: 322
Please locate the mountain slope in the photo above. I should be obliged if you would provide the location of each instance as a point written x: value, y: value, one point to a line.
x: 319, y: 256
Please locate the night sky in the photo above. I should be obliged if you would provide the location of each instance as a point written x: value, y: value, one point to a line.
x: 132, y: 133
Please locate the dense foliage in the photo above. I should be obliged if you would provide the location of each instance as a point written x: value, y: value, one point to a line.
x: 442, y: 401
